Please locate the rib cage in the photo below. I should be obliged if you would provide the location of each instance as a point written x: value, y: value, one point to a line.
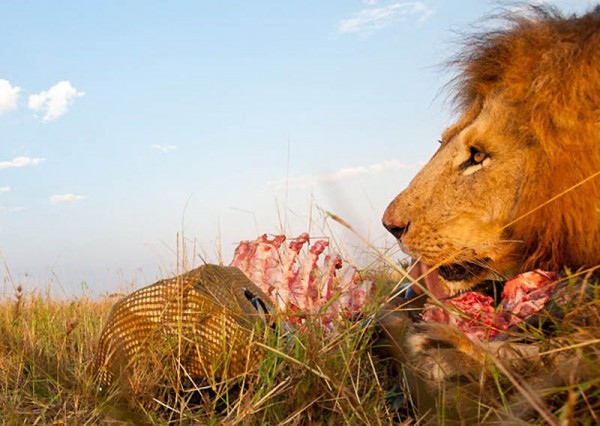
x: 203, y: 321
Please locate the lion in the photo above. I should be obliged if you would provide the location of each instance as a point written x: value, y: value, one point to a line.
x: 514, y: 186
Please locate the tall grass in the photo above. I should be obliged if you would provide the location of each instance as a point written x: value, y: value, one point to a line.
x: 47, y: 347
x: 45, y: 350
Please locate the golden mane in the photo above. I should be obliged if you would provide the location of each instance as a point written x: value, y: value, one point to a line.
x: 547, y: 68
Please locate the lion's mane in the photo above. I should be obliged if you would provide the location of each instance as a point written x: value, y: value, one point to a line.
x: 548, y: 68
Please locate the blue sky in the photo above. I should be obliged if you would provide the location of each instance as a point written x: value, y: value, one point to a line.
x: 124, y: 123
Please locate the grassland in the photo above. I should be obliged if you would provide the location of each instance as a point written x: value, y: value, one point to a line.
x: 45, y: 351
x: 47, y: 347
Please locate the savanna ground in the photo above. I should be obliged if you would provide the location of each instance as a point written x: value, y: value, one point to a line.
x: 47, y: 347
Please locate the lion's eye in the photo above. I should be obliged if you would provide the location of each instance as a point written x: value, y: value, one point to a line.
x: 477, y: 156
x: 475, y: 162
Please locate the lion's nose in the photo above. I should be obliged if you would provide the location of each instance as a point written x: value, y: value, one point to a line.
x: 396, y: 227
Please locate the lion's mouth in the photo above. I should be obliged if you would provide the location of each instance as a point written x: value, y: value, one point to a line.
x: 450, y: 279
x: 460, y: 271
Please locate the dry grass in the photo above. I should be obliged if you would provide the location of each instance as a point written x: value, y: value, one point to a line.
x: 45, y: 350
x: 47, y: 347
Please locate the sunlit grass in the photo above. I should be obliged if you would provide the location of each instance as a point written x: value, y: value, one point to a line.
x: 47, y: 347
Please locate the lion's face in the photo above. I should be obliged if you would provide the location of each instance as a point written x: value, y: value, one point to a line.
x: 457, y: 212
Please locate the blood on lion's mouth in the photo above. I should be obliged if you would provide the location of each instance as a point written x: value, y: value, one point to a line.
x: 492, y: 308
x: 459, y: 271
x: 487, y: 308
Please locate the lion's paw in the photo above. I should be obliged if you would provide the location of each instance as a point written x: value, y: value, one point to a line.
x: 440, y: 352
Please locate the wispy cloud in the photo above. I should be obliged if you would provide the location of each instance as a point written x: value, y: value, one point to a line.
x: 55, y: 101
x: 366, y: 21
x: 17, y: 209
x: 20, y: 162
x: 65, y: 198
x: 9, y: 96
x: 4, y: 189
x: 302, y: 182
x: 164, y: 148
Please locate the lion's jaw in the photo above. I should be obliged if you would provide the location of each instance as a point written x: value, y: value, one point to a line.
x: 456, y: 214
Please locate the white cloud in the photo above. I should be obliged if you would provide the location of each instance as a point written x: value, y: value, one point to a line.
x: 66, y: 198
x: 4, y: 189
x: 55, y: 101
x: 9, y: 95
x: 302, y: 182
x: 164, y: 148
x: 366, y: 21
x: 21, y: 162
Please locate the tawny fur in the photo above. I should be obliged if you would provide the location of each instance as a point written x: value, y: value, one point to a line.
x: 529, y: 99
x: 548, y: 70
